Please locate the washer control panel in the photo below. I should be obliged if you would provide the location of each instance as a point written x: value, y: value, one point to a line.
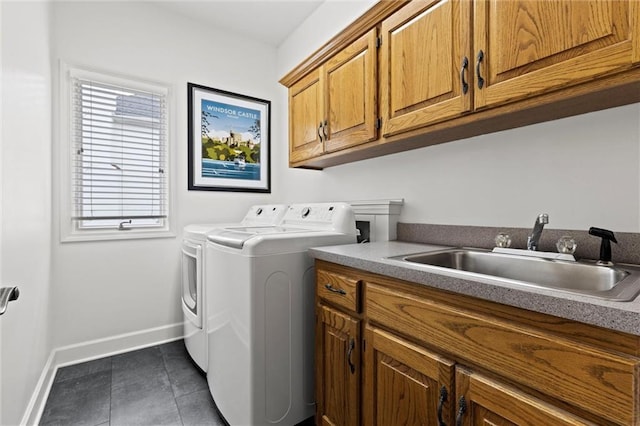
x: 321, y: 216
x: 268, y: 214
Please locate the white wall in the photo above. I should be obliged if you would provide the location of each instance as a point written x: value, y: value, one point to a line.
x: 108, y: 288
x: 584, y: 171
x: 26, y: 201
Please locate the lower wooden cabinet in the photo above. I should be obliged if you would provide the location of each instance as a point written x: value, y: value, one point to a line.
x: 337, y: 368
x: 396, y: 353
x: 405, y: 384
x: 483, y: 401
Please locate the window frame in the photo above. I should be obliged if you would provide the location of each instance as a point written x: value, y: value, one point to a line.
x: 70, y: 229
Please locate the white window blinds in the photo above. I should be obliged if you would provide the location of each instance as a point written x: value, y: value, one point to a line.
x: 119, y: 143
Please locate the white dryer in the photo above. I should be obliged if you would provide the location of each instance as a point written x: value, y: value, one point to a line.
x: 260, y: 310
x: 193, y: 275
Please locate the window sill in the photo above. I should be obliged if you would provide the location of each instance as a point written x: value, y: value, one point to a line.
x: 112, y: 235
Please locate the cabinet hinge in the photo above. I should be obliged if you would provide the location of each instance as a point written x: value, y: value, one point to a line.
x: 379, y: 41
x: 378, y: 123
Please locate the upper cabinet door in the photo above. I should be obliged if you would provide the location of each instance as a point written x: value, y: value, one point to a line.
x: 350, y: 85
x: 424, y: 46
x: 305, y: 118
x: 527, y: 47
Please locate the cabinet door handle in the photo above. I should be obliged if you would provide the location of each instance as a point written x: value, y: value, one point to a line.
x: 324, y: 130
x: 480, y: 79
x: 443, y: 398
x: 335, y: 290
x: 465, y: 85
x: 319, y: 131
x: 352, y: 345
x: 8, y: 294
x: 462, y: 408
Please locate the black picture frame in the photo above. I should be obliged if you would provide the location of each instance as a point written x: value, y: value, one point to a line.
x: 229, y: 141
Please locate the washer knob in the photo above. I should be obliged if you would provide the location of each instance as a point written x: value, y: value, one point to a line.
x: 306, y: 211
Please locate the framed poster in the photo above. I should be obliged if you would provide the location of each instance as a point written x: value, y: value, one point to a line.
x: 229, y: 141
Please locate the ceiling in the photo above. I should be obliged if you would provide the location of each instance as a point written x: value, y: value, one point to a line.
x: 269, y: 21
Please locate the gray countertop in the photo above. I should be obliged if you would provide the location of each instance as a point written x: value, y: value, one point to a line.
x: 620, y: 316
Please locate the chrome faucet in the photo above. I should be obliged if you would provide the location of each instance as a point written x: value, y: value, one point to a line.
x: 534, y: 237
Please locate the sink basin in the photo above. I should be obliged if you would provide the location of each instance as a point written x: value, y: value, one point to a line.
x: 620, y: 282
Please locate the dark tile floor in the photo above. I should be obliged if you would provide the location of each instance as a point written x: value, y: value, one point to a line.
x: 159, y: 385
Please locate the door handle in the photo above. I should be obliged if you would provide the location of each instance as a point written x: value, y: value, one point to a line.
x: 479, y: 60
x: 7, y: 294
x: 462, y: 408
x: 352, y: 345
x: 443, y: 398
x: 463, y: 68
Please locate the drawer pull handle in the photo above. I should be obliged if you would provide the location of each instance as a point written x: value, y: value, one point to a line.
x: 335, y: 290
x: 465, y: 85
x: 480, y: 79
x: 352, y: 345
x: 319, y: 131
x: 443, y: 398
x: 462, y: 408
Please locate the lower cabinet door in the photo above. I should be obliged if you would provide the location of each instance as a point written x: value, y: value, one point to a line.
x: 405, y: 384
x: 484, y: 401
x: 337, y: 368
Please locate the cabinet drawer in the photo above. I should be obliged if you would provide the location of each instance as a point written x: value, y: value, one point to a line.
x: 338, y: 289
x: 595, y: 380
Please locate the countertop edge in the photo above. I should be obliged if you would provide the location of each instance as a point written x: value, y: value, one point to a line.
x: 618, y: 316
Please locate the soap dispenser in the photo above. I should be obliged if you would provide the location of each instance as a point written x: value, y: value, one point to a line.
x: 605, y: 246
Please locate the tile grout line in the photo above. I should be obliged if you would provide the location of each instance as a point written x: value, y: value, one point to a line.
x: 110, y: 389
x: 175, y: 398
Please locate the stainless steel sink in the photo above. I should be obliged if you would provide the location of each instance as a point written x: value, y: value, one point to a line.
x: 620, y: 282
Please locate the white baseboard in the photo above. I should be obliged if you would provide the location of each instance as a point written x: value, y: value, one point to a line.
x: 41, y: 392
x: 87, y: 351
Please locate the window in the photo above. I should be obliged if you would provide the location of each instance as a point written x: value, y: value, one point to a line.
x: 117, y: 137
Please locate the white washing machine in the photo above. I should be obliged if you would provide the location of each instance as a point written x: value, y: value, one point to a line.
x: 193, y: 276
x: 260, y: 310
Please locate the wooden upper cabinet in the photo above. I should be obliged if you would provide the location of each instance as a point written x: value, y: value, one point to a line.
x: 424, y: 45
x: 451, y: 69
x: 305, y: 118
x: 405, y: 384
x: 483, y: 401
x: 334, y: 107
x: 350, y: 95
x: 530, y: 46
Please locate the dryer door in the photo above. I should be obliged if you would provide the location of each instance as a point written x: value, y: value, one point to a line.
x: 192, y: 282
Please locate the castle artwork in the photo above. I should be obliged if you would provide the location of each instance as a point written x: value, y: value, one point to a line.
x: 230, y: 136
x: 229, y: 141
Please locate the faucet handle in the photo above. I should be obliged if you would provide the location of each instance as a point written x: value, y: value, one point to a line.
x: 605, y: 245
x: 566, y: 245
x: 502, y: 240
